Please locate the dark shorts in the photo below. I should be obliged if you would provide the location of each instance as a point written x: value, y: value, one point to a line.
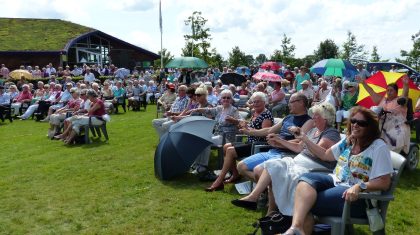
x: 243, y: 149
x: 329, y: 201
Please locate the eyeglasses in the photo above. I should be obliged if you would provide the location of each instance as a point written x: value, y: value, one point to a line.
x: 226, y: 97
x: 293, y: 101
x: 361, y: 123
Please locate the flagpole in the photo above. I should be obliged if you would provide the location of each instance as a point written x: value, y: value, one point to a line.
x: 160, y: 25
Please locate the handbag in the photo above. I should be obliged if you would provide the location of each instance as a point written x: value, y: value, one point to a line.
x: 273, y: 224
x: 375, y: 219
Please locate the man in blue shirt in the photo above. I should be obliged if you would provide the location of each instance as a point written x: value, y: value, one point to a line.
x: 4, y: 101
x: 298, y: 104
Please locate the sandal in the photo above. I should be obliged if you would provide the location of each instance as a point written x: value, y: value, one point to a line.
x: 293, y: 230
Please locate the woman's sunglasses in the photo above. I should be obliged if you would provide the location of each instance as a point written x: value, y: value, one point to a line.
x: 361, y: 123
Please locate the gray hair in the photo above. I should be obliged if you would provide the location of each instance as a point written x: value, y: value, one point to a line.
x: 325, y: 110
x: 226, y: 92
x: 92, y: 93
x: 259, y: 94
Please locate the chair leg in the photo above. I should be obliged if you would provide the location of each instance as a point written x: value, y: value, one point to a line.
x: 221, y: 158
x: 87, y: 140
x: 92, y: 129
x: 98, y: 131
x: 103, y: 127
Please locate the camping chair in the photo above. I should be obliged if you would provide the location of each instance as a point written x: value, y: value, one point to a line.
x: 219, y: 148
x: 339, y: 224
x: 6, y: 112
x: 96, y: 130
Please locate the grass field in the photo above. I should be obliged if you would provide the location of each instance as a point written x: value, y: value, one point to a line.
x: 110, y: 188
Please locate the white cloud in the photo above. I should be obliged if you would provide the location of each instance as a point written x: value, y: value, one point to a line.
x: 255, y: 26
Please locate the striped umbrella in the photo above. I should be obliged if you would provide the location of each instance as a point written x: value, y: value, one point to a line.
x: 379, y: 82
x: 334, y: 67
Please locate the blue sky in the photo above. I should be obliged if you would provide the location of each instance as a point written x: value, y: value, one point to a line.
x: 255, y: 26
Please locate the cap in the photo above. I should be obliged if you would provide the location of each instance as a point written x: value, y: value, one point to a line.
x: 171, y: 86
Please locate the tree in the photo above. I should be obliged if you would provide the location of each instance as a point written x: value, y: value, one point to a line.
x: 412, y: 57
x: 236, y: 57
x: 261, y: 58
x: 249, y: 60
x: 216, y: 60
x: 374, y: 57
x: 166, y: 57
x: 287, y: 48
x: 326, y: 49
x: 276, y: 56
x: 351, y: 49
x: 199, y: 37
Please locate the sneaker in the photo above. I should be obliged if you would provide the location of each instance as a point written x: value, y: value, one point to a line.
x: 47, y: 119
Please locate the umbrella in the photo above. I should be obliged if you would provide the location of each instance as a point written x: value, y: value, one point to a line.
x: 18, y: 73
x: 270, y: 65
x: 334, y: 67
x: 232, y: 78
x: 121, y: 73
x: 187, y: 62
x: 240, y: 69
x: 178, y: 148
x: 379, y: 82
x: 266, y: 76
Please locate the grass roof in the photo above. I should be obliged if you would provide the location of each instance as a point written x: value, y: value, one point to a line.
x: 18, y: 34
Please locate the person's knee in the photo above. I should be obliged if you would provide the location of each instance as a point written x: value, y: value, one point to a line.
x: 258, y: 171
x: 242, y: 168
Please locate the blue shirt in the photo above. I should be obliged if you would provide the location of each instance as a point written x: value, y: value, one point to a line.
x: 179, y: 104
x: 4, y: 99
x: 289, y: 121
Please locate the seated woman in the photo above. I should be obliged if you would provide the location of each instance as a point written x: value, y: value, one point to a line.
x: 58, y: 117
x: 25, y: 96
x: 261, y: 118
x: 40, y: 94
x: 395, y: 131
x: 345, y: 101
x: 96, y: 111
x: 363, y: 165
x: 282, y: 174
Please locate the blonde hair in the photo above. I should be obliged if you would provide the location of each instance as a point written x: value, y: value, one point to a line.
x: 201, y: 90
x: 325, y: 110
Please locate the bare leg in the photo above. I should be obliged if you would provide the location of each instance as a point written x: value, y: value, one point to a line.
x: 230, y: 157
x: 70, y: 137
x: 305, y: 197
x: 244, y: 171
x: 271, y: 201
x: 263, y: 183
x: 258, y: 170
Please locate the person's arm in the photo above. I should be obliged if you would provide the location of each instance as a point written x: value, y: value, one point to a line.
x: 375, y: 97
x: 405, y: 80
x: 318, y: 150
x: 95, y: 107
x: 380, y: 183
x: 262, y: 131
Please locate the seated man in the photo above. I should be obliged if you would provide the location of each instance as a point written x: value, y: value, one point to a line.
x: 118, y: 91
x: 307, y: 91
x: 177, y: 107
x: 4, y: 102
x: 168, y: 97
x: 134, y: 96
x: 25, y: 96
x: 322, y: 92
x: 298, y: 116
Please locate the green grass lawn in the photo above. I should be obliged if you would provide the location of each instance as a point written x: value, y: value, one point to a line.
x: 110, y: 188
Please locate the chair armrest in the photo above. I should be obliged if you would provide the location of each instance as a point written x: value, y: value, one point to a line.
x: 379, y: 197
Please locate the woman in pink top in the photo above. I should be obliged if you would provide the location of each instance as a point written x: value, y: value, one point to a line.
x: 95, y: 114
x: 394, y: 130
x: 24, y: 97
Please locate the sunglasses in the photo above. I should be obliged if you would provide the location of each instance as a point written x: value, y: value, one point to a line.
x: 361, y: 123
x: 226, y: 98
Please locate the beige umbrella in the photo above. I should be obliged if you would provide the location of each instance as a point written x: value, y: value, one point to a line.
x: 18, y: 73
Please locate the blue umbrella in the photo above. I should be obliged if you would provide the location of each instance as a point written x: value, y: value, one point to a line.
x: 121, y: 73
x: 178, y: 148
x: 334, y: 67
x: 242, y: 68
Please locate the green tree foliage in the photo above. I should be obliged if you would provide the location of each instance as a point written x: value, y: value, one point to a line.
x: 166, y: 56
x: 287, y: 52
x: 261, y: 58
x: 351, y: 49
x: 249, y: 60
x: 216, y: 60
x: 326, y: 49
x: 200, y: 36
x: 237, y: 57
x: 412, y: 57
x: 374, y: 57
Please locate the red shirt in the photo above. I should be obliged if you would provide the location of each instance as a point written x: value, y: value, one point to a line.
x: 101, y: 111
x: 24, y: 96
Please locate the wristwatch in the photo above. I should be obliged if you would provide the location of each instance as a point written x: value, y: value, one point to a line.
x: 363, y: 186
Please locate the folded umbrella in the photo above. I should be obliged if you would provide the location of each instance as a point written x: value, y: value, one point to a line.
x: 178, y: 148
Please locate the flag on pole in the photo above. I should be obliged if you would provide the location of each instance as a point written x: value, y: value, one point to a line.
x: 160, y: 16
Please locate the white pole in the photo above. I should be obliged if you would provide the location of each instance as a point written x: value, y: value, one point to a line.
x: 161, y: 32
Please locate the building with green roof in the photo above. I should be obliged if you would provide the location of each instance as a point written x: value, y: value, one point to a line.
x: 42, y: 41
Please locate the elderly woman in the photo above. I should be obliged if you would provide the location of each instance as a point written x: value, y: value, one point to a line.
x: 394, y: 130
x: 25, y: 96
x: 282, y: 174
x: 95, y: 114
x: 261, y: 118
x: 363, y: 165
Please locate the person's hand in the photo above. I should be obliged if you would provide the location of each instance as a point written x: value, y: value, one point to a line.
x: 230, y: 119
x: 242, y: 124
x: 272, y: 139
x: 352, y: 194
x: 296, y: 131
x: 245, y: 130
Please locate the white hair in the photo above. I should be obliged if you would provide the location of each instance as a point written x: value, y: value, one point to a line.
x: 226, y: 92
x: 325, y: 110
x: 260, y: 94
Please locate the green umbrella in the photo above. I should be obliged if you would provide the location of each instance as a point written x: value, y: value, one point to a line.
x: 334, y: 67
x: 187, y: 62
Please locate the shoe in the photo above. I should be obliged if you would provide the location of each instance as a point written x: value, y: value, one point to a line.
x: 245, y: 204
x: 232, y: 179
x: 217, y: 188
x: 45, y: 120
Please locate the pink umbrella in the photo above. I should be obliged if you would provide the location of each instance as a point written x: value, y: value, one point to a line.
x: 270, y: 65
x: 266, y: 76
